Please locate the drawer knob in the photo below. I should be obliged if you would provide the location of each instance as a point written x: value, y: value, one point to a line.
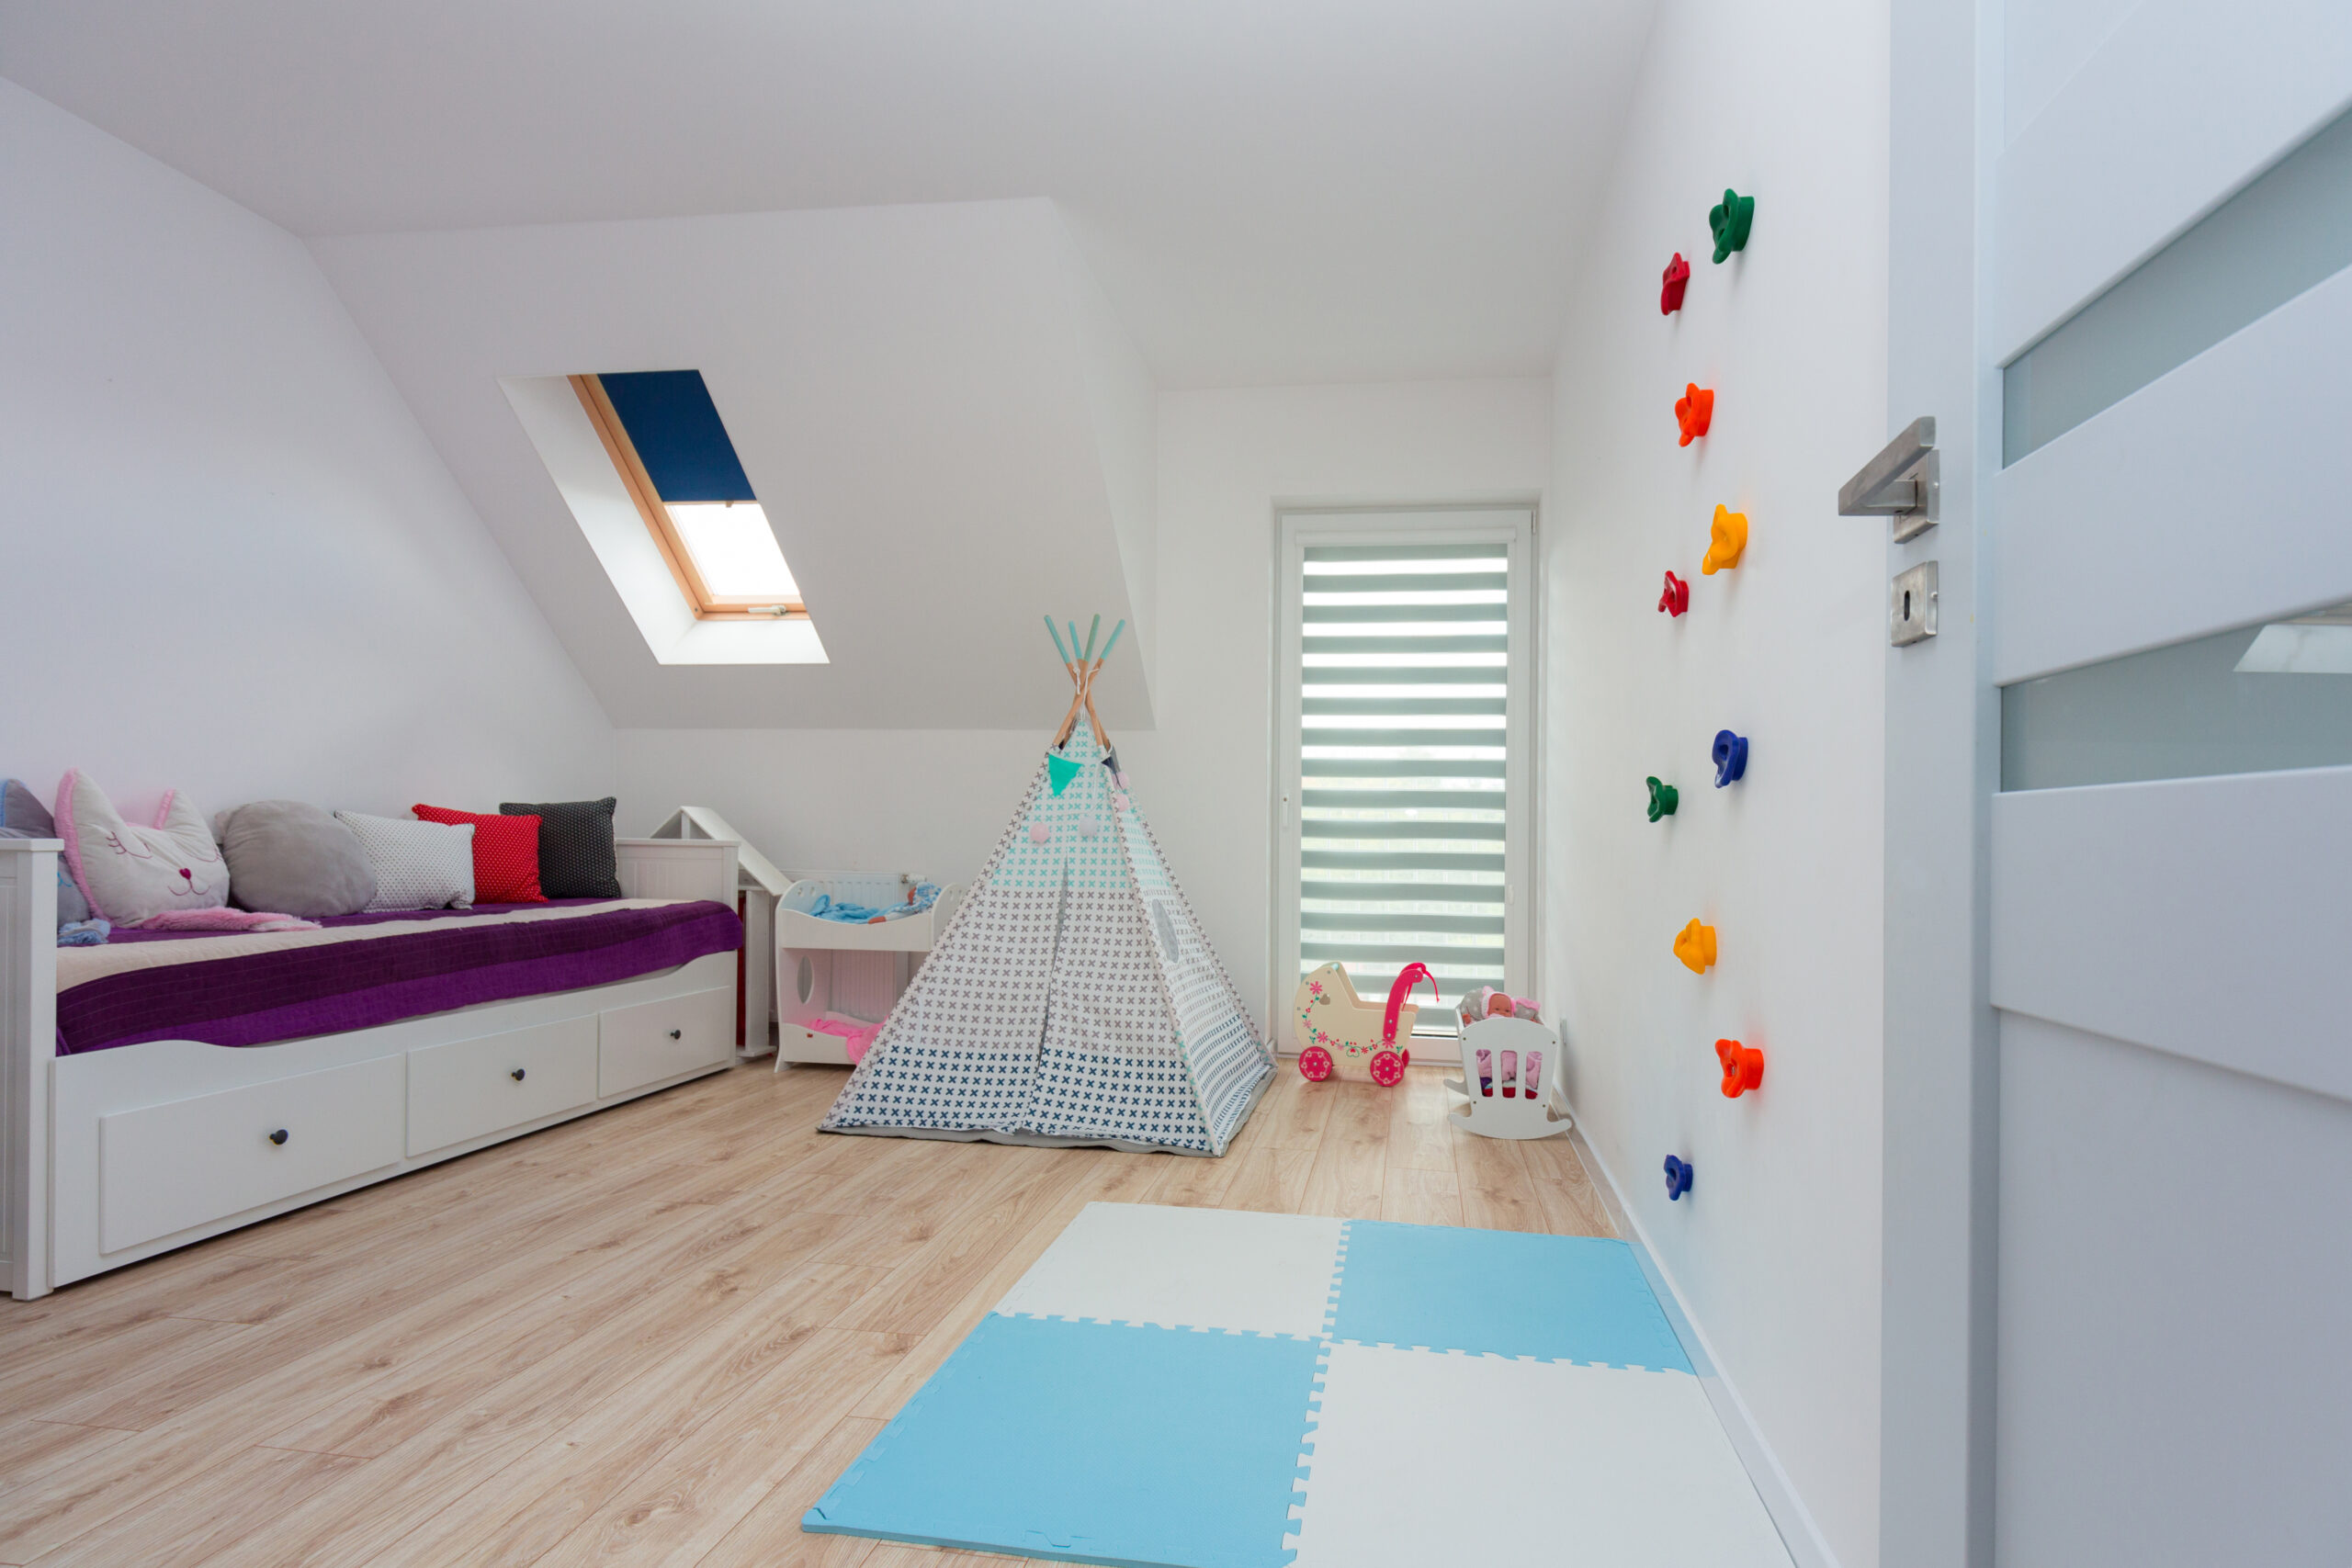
x: 677, y: 1033
x: 278, y: 1136
x: 516, y: 1075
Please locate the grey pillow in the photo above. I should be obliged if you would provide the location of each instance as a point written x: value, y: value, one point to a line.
x: 22, y: 815
x: 292, y: 859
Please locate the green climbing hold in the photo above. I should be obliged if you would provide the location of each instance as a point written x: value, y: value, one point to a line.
x: 1060, y: 771
x: 1731, y: 222
x: 1664, y: 798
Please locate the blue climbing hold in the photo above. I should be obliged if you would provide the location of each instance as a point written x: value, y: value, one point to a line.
x: 1678, y: 1178
x: 1731, y: 757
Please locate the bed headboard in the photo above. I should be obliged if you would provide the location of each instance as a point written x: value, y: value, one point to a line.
x: 677, y: 868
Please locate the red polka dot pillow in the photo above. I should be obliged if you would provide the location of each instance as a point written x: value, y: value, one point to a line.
x: 506, y: 854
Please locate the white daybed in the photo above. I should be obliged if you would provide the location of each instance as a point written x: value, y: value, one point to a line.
x: 111, y: 1156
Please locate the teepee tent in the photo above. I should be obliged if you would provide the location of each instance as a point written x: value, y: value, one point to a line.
x: 1073, y: 998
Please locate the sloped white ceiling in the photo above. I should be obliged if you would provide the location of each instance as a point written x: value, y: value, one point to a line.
x: 1272, y: 191
x: 949, y: 433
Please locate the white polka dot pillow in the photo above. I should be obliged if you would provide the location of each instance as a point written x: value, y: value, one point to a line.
x: 418, y: 866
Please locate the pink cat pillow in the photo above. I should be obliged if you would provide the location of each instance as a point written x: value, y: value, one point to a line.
x: 129, y: 874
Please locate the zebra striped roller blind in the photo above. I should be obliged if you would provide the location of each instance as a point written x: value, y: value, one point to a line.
x: 1404, y: 714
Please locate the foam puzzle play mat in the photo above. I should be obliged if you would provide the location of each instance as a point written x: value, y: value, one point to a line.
x: 1198, y: 1388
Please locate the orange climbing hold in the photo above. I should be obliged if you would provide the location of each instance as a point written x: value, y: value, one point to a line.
x: 1727, y: 541
x: 1696, y: 947
x: 1694, y: 410
x: 1743, y: 1067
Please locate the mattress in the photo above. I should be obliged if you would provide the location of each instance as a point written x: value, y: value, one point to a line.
x: 360, y: 971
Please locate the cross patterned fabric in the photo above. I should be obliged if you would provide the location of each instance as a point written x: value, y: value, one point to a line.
x: 1073, y: 995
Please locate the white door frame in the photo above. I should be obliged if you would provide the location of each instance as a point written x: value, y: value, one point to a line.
x: 1295, y: 527
x: 1941, y: 1158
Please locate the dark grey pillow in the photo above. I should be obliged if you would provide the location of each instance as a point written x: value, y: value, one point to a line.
x: 576, y: 859
x: 22, y: 815
x: 293, y: 859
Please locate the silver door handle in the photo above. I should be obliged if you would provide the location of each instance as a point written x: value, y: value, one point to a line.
x: 1904, y: 482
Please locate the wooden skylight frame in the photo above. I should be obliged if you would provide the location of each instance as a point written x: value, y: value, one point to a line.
x: 706, y: 605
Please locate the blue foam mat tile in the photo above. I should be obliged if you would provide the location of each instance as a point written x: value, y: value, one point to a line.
x: 1553, y: 1298
x: 1091, y: 1442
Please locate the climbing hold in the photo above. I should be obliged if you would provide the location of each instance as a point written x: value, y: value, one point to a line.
x: 1060, y: 771
x: 1039, y: 832
x: 1694, y: 410
x: 1678, y: 1178
x: 1726, y: 541
x: 1696, y: 947
x: 1676, y: 600
x: 1664, y: 798
x: 1669, y: 299
x: 1731, y: 758
x: 1743, y: 1067
x: 1730, y: 223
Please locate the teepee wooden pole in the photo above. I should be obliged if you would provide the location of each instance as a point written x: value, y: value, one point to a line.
x: 1081, y: 663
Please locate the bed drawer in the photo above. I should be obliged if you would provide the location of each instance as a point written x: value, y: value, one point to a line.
x: 164, y: 1168
x: 472, y: 1088
x: 652, y: 1041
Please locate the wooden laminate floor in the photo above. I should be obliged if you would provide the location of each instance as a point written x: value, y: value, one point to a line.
x: 652, y: 1337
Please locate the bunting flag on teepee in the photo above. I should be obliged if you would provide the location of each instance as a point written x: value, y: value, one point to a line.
x: 1073, y: 998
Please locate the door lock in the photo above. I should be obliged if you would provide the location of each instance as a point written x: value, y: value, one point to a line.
x: 1911, y: 605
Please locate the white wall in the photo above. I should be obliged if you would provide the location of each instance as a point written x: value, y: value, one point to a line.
x: 233, y: 563
x: 933, y: 801
x: 1776, y: 1253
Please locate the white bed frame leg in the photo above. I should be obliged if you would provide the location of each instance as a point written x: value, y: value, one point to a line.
x: 27, y: 1051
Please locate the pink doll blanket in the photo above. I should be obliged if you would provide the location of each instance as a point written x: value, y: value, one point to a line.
x: 855, y: 1036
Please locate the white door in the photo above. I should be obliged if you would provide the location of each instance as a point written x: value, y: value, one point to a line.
x: 2119, y: 1018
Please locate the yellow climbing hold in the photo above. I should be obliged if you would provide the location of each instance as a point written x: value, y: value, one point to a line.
x: 1726, y: 541
x: 1696, y: 947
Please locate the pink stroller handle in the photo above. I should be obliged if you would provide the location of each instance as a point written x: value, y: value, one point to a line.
x: 1410, y: 976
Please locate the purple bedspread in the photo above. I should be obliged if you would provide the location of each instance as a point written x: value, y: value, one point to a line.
x: 256, y: 998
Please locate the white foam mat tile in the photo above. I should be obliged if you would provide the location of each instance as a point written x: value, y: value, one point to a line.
x: 1422, y: 1458
x: 1185, y: 1269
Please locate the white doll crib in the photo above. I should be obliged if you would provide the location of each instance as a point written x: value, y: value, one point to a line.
x: 1500, y: 1105
x: 851, y: 973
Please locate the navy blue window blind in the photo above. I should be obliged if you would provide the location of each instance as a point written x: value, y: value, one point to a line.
x: 677, y: 431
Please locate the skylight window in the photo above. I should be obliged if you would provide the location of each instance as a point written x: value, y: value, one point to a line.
x: 665, y: 438
x: 733, y: 550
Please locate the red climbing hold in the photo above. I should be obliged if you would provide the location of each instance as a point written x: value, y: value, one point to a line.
x: 1678, y: 277
x: 1743, y: 1067
x: 1676, y: 600
x: 1694, y: 410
